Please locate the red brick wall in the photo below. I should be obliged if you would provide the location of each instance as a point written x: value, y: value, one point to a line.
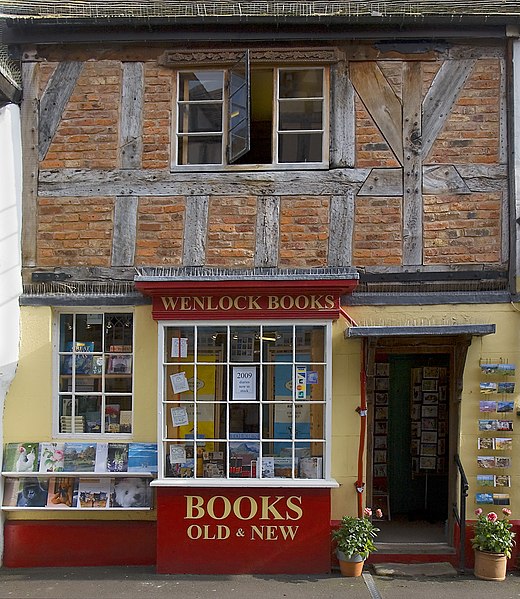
x: 472, y: 133
x: 231, y: 232
x: 160, y: 231
x: 88, y: 134
x: 462, y: 229
x: 378, y: 232
x: 75, y: 231
x: 304, y: 231
x: 157, y: 117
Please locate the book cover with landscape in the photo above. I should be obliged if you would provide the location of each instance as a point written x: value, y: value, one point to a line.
x: 80, y: 457
x: 93, y: 492
x: 142, y: 457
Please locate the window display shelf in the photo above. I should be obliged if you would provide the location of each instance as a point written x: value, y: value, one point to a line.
x: 77, y: 474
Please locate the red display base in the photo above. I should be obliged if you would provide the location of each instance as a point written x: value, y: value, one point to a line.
x: 243, y: 531
x: 35, y: 544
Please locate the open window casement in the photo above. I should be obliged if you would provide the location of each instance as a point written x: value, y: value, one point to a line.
x: 239, y: 109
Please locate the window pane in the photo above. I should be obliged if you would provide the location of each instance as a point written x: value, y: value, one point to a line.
x: 310, y: 341
x: 296, y: 115
x: 277, y: 344
x: 310, y: 462
x: 245, y: 344
x: 118, y: 332
x: 299, y: 147
x: 95, y: 373
x: 277, y: 460
x: 212, y: 341
x: 177, y: 382
x: 244, y: 418
x: 301, y: 83
x: 214, y: 462
x: 179, y: 344
x: 243, y: 459
x: 201, y: 85
x: 200, y: 118
x: 200, y: 150
x: 211, y: 383
x: 180, y: 460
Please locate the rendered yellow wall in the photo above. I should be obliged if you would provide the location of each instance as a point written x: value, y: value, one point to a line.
x: 503, y: 345
x: 29, y: 408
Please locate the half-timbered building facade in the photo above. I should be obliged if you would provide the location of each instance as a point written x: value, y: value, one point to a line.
x: 269, y: 264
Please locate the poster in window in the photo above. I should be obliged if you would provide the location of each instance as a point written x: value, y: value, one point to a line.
x: 244, y: 383
x: 179, y: 347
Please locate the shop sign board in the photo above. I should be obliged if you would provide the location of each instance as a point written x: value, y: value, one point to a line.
x: 241, y: 530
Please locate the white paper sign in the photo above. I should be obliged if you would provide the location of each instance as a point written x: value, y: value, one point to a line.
x: 179, y: 416
x: 244, y: 383
x: 179, y: 382
x: 177, y: 454
x: 179, y: 347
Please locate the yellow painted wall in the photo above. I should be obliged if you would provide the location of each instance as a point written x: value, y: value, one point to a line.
x: 503, y: 345
x: 29, y: 407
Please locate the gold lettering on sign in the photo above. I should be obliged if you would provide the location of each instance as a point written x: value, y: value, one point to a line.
x: 186, y: 303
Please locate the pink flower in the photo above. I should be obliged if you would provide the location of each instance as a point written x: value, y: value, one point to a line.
x: 506, y: 511
x: 379, y: 514
x: 478, y: 511
x: 367, y: 512
x: 492, y: 517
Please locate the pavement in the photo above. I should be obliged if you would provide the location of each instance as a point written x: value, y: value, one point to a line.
x: 387, y: 581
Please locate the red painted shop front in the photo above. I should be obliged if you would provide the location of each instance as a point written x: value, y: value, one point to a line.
x: 207, y: 526
x: 243, y: 531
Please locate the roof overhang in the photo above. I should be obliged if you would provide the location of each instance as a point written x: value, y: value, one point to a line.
x: 474, y: 330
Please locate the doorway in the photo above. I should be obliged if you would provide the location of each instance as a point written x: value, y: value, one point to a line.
x: 410, y: 446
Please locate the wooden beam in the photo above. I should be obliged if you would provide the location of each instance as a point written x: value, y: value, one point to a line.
x: 195, y: 229
x: 342, y: 118
x: 381, y: 102
x: 29, y: 120
x: 145, y: 182
x: 131, y: 128
x: 441, y: 97
x: 267, y: 231
x: 341, y: 229
x: 54, y: 100
x: 412, y: 165
x: 125, y: 231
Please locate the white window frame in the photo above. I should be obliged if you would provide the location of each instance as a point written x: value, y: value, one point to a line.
x: 274, y: 165
x: 162, y: 411
x: 56, y: 394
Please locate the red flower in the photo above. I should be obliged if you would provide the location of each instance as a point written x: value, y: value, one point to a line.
x: 492, y: 517
x: 478, y: 511
x: 506, y: 511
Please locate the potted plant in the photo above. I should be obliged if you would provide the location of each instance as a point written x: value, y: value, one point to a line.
x: 493, y: 542
x: 354, y: 541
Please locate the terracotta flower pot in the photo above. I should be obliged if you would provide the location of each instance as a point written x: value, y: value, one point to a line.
x: 490, y: 566
x: 350, y: 566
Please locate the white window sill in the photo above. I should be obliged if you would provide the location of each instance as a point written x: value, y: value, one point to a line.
x: 247, y: 482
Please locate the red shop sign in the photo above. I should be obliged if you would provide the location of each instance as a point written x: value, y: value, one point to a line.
x: 180, y: 300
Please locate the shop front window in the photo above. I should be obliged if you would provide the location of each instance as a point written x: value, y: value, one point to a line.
x: 95, y: 380
x: 244, y: 401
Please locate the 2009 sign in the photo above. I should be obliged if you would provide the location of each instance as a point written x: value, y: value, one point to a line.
x: 244, y: 375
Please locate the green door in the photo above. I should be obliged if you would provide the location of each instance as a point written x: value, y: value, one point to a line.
x: 418, y: 436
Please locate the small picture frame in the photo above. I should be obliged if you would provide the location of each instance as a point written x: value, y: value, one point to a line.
x: 120, y: 364
x: 427, y: 463
x: 485, y: 461
x: 430, y: 384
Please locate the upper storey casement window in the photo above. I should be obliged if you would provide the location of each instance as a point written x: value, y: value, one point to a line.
x: 273, y: 116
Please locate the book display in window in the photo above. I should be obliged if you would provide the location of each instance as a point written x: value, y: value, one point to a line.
x: 96, y: 485
x: 495, y: 426
x: 221, y: 422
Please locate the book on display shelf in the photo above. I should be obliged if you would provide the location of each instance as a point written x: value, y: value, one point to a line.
x: 21, y: 457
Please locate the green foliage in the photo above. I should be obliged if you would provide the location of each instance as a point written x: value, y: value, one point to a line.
x: 355, y: 536
x: 492, y: 533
